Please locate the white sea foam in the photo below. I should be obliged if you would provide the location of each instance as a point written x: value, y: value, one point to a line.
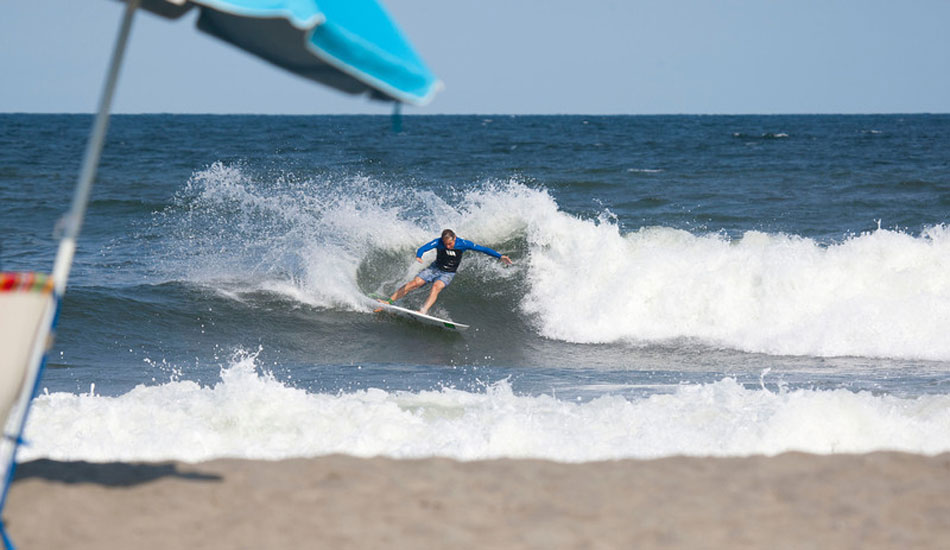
x: 252, y: 415
x: 880, y: 294
x: 884, y: 293
x: 308, y: 239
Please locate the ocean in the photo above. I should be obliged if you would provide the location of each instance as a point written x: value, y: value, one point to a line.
x: 682, y: 285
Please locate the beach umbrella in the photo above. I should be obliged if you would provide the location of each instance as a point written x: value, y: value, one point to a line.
x: 350, y: 45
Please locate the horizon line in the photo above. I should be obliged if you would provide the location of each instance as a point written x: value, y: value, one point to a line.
x: 404, y: 114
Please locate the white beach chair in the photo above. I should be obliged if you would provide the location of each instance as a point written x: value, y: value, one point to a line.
x: 27, y: 314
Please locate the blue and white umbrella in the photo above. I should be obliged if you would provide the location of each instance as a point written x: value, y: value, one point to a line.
x: 351, y: 45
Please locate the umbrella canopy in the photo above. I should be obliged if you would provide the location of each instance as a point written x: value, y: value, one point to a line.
x: 351, y: 45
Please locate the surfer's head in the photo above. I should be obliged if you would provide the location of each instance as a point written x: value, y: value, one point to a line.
x: 448, y: 238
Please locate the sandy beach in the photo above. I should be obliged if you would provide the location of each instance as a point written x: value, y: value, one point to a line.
x: 794, y: 500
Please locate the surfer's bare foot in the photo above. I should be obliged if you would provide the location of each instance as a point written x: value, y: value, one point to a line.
x: 424, y: 311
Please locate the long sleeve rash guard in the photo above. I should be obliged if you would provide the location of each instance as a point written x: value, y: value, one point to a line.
x: 449, y: 259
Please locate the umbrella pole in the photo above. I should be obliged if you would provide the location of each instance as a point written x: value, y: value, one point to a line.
x: 64, y: 256
x: 73, y: 220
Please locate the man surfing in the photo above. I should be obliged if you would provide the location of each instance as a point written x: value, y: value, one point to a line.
x: 449, y: 249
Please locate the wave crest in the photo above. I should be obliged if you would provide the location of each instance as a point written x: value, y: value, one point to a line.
x: 328, y: 242
x: 881, y: 294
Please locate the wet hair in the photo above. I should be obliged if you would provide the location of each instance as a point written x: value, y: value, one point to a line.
x: 448, y: 233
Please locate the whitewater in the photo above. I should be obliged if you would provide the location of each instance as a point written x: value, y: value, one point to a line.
x: 249, y: 414
x: 880, y: 294
x: 704, y: 286
x: 883, y: 293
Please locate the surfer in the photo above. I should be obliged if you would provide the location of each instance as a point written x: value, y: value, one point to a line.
x: 449, y: 249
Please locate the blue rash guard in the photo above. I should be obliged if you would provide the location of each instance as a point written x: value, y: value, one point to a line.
x: 448, y: 260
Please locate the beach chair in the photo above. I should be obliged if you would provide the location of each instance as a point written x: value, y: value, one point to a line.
x: 27, y: 315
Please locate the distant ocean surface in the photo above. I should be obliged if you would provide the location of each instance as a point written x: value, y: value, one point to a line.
x: 695, y: 285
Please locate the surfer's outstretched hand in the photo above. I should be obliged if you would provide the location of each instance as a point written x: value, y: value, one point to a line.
x: 506, y: 260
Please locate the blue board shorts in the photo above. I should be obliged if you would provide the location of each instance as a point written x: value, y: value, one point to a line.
x: 432, y: 274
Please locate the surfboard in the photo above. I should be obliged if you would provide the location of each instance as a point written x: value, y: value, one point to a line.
x: 421, y: 317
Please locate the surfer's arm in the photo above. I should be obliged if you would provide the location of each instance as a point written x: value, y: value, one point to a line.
x: 426, y: 247
x: 469, y: 245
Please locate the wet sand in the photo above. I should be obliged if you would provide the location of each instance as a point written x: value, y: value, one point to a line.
x: 794, y: 501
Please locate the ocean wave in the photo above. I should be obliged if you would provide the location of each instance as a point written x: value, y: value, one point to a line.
x: 763, y: 136
x: 326, y: 243
x: 880, y: 294
x: 884, y: 293
x: 249, y: 414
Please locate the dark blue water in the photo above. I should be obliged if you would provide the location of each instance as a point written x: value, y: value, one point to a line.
x: 652, y: 253
x: 826, y: 178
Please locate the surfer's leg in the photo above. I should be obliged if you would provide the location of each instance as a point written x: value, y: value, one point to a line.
x: 407, y: 288
x: 433, y: 295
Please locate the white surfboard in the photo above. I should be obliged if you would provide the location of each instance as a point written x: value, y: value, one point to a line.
x: 422, y: 318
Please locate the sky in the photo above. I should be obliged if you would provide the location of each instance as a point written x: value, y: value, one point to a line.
x: 514, y: 57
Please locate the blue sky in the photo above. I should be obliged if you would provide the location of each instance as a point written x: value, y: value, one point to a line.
x: 516, y: 56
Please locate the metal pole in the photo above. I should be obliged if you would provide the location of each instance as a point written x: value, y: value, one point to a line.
x: 64, y: 258
x: 73, y: 220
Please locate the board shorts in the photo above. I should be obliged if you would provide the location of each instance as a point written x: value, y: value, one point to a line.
x: 432, y: 274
